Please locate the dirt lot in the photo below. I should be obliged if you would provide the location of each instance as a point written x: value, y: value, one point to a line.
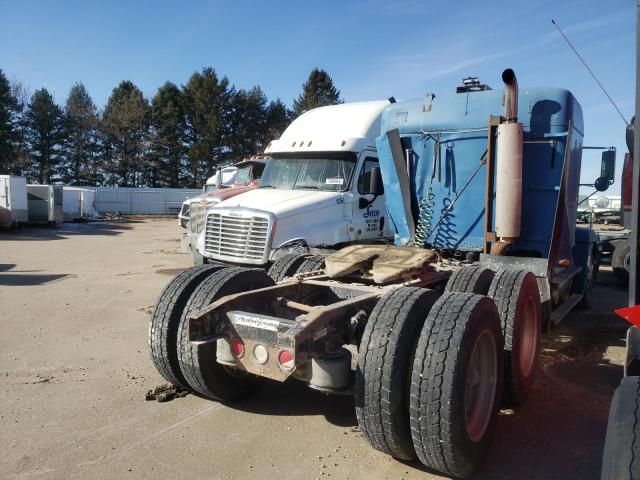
x: 74, y: 371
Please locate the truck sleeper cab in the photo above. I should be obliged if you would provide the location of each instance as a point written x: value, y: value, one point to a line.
x: 314, y: 194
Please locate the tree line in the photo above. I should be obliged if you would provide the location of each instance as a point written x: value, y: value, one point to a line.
x: 176, y: 139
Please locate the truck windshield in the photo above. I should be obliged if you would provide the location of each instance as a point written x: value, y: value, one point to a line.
x: 229, y: 175
x: 243, y: 175
x: 328, y: 172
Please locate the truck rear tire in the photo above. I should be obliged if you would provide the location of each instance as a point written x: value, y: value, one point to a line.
x: 621, y: 455
x: 456, y: 383
x: 286, y: 266
x: 470, y: 279
x: 198, y: 364
x: 517, y: 298
x: 620, y: 261
x: 385, y: 356
x: 165, y: 320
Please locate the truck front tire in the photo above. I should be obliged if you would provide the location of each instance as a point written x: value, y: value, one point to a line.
x: 285, y: 266
x: 311, y: 264
x: 294, y: 263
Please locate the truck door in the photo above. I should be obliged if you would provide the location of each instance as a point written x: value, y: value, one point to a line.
x: 370, y: 222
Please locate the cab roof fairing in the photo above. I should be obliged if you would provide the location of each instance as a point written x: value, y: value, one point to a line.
x: 345, y: 127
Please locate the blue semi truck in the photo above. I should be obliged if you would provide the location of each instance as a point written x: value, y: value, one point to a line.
x: 481, y: 188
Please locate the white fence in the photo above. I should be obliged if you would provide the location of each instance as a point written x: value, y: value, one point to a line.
x: 142, y: 200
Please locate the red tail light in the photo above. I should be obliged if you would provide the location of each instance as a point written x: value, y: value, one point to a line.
x: 285, y: 359
x: 237, y: 347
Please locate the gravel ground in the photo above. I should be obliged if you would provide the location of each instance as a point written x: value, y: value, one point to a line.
x: 74, y: 370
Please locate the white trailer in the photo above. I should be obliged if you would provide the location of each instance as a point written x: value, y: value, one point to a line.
x: 78, y: 203
x: 45, y: 203
x: 13, y: 200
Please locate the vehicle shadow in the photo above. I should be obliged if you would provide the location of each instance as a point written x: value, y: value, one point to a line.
x: 65, y: 230
x: 15, y: 280
x: 294, y: 398
x: 25, y: 278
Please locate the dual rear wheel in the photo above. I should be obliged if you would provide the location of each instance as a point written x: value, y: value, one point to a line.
x: 429, y: 377
x: 194, y: 367
x: 432, y: 370
x: 190, y: 366
x: 517, y: 298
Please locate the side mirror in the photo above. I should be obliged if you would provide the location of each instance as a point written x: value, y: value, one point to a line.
x: 375, y: 182
x: 608, y: 165
x: 601, y: 184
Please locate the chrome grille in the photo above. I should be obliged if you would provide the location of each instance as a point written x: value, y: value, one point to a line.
x: 197, y: 216
x: 242, y: 238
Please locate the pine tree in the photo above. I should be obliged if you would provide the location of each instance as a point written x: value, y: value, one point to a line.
x: 82, y: 146
x: 44, y: 123
x: 168, y: 136
x: 247, y: 124
x: 125, y: 124
x: 7, y: 109
x: 20, y: 158
x: 317, y: 91
x: 278, y: 119
x: 207, y: 110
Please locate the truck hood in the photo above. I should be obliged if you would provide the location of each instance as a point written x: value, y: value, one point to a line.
x: 232, y: 191
x: 284, y: 203
x: 223, y: 194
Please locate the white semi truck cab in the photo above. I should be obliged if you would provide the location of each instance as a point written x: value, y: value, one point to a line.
x: 314, y: 193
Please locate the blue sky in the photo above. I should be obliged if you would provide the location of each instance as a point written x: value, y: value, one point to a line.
x: 372, y: 48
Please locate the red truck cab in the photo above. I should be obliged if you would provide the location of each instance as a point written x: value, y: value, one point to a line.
x: 245, y: 177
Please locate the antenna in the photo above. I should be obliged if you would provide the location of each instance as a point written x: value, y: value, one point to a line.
x: 591, y: 72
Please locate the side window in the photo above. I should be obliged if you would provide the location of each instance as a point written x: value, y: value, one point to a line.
x: 365, y: 174
x: 257, y: 171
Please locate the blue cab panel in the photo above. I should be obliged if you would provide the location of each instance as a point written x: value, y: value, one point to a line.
x: 444, y: 139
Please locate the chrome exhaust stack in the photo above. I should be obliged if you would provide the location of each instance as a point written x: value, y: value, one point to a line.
x: 510, y: 95
x: 508, y: 169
